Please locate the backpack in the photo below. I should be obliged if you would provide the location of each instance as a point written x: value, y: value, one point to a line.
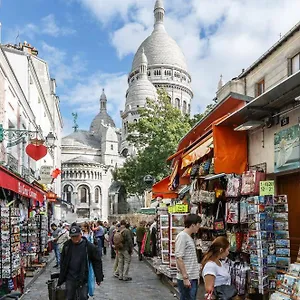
x: 118, y: 240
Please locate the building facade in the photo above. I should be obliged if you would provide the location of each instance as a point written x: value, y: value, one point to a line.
x: 88, y: 159
x: 158, y: 63
x: 29, y: 108
x: 272, y: 119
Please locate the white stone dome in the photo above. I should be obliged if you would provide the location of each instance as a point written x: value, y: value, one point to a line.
x: 160, y: 49
x: 139, y: 91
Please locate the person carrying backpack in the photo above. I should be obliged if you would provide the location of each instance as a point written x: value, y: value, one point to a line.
x: 123, y: 244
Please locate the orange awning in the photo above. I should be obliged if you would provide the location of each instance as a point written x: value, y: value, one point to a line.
x: 198, y: 151
x: 161, y: 188
x: 230, y: 150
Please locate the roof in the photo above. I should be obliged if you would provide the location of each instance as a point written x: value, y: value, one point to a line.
x: 80, y: 160
x: 272, y: 49
x: 115, y: 187
x: 102, y: 118
x: 140, y: 90
x: 82, y: 138
x: 159, y: 47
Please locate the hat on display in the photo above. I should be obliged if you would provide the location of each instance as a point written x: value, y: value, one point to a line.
x: 75, y: 231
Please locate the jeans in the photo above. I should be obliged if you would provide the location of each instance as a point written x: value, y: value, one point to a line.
x: 116, y: 264
x: 57, y: 253
x: 188, y: 293
x: 99, y: 240
x: 124, y: 263
x: 76, y: 293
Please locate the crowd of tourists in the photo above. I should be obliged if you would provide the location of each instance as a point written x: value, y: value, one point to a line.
x: 79, y: 249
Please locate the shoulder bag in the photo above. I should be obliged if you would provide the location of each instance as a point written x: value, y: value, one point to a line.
x: 219, y: 225
x: 225, y: 292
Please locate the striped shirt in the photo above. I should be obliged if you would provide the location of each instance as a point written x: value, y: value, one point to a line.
x: 185, y: 248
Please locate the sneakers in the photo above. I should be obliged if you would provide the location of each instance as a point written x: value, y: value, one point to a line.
x: 127, y: 278
x: 116, y: 275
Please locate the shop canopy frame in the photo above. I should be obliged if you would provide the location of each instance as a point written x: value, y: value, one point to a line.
x: 268, y: 104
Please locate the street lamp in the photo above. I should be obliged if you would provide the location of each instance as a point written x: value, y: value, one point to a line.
x: 50, y: 139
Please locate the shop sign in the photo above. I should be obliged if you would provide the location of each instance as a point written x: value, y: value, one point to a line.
x: 26, y: 191
x: 267, y: 188
x: 287, y: 149
x: 178, y: 208
x: 45, y: 174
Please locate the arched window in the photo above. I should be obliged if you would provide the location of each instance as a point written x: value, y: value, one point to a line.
x: 83, y: 194
x: 169, y: 99
x: 189, y: 109
x: 177, y: 103
x: 98, y: 194
x: 68, y: 193
x: 184, y: 107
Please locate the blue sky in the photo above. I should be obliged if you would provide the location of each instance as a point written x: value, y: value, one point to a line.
x: 89, y: 44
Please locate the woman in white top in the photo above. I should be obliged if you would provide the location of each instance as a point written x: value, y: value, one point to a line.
x: 214, y: 272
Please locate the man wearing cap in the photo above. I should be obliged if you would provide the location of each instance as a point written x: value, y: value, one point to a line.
x: 74, y: 269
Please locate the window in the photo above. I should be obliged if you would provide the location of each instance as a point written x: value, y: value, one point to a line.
x: 68, y: 193
x: 184, y: 107
x: 97, y: 194
x: 295, y: 64
x: 111, y: 147
x: 260, y: 88
x: 83, y: 194
x: 177, y: 103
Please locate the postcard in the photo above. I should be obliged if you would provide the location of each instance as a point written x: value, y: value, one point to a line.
x: 282, y: 234
x: 294, y: 269
x: 280, y: 199
x: 283, y: 252
x: 282, y: 243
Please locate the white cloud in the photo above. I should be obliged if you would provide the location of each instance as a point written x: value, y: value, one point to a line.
x: 61, y: 69
x: 47, y: 26
x: 217, y: 37
x: 50, y: 27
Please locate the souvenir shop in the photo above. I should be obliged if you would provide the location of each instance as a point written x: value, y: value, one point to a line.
x: 24, y: 229
x: 234, y: 200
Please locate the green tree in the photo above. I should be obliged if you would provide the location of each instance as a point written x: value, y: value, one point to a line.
x: 157, y: 134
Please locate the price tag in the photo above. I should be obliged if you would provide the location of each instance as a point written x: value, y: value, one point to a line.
x: 171, y: 209
x: 267, y: 188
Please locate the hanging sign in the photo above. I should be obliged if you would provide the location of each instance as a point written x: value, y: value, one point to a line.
x: 267, y: 188
x: 178, y: 208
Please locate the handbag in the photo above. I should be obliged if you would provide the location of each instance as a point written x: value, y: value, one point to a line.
x: 207, y: 197
x: 219, y: 225
x: 233, y: 186
x: 194, y: 192
x: 225, y: 292
x: 250, y: 182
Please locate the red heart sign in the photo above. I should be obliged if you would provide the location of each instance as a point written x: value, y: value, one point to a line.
x: 36, y: 152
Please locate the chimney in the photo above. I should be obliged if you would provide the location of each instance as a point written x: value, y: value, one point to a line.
x: 26, y: 47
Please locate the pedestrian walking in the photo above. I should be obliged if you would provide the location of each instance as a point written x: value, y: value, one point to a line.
x: 110, y: 235
x: 99, y: 235
x: 63, y: 236
x: 76, y: 255
x: 55, y: 234
x: 123, y: 243
x: 140, y: 232
x: 186, y: 259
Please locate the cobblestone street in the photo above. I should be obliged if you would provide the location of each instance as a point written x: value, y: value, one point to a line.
x: 145, y: 284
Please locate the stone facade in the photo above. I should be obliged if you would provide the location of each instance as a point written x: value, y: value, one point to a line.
x: 88, y: 159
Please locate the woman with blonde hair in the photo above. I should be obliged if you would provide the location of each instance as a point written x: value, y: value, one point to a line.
x: 216, y: 274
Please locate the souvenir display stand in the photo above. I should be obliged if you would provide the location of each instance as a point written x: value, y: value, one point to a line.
x: 170, y: 222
